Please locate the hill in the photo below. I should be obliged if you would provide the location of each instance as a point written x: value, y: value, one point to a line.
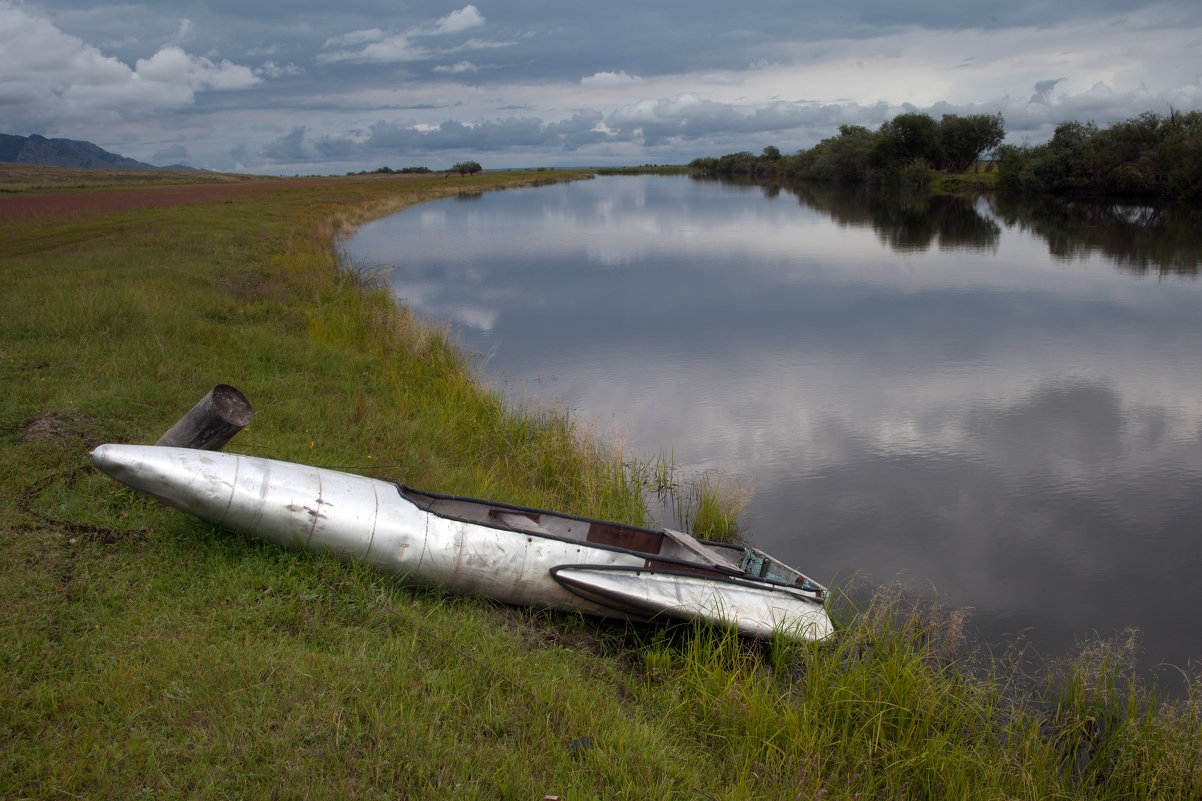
x: 67, y: 153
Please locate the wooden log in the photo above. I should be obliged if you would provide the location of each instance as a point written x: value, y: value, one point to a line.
x: 212, y: 422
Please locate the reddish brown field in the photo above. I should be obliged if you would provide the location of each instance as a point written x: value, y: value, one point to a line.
x: 30, y: 192
x: 53, y: 204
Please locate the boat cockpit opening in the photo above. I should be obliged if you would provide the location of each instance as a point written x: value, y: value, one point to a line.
x: 658, y: 545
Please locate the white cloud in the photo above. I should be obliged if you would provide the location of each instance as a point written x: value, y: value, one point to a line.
x: 186, y: 27
x: 173, y: 66
x: 49, y: 78
x: 381, y: 48
x: 481, y: 44
x: 355, y: 38
x: 388, y: 50
x: 690, y: 116
x: 601, y: 79
x: 32, y: 45
x: 455, y: 69
x: 270, y: 69
x: 457, y: 21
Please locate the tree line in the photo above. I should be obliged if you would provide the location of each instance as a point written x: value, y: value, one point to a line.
x: 386, y: 170
x: 902, y: 150
x: 1151, y: 155
x: 462, y: 167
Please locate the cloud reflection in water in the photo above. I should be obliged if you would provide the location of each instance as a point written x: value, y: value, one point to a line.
x: 1020, y: 431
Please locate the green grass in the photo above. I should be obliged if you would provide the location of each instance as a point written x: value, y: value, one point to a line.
x: 146, y: 654
x: 646, y: 169
x: 972, y: 182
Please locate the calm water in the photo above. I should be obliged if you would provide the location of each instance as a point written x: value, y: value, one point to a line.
x: 1000, y: 403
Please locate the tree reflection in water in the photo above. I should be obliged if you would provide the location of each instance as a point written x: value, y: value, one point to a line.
x: 1140, y: 238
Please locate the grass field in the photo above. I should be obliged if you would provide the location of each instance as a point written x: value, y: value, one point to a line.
x: 146, y: 654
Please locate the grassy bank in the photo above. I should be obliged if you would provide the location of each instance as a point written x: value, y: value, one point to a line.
x: 972, y: 182
x: 147, y: 654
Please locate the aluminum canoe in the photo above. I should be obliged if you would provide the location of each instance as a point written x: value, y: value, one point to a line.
x: 514, y: 554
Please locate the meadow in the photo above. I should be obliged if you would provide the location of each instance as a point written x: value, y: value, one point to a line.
x: 147, y: 654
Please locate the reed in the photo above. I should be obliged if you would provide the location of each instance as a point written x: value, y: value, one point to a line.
x: 701, y: 502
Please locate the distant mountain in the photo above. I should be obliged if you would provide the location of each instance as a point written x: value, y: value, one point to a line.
x: 68, y: 153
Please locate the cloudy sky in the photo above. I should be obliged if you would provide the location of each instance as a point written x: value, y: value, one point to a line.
x: 318, y: 86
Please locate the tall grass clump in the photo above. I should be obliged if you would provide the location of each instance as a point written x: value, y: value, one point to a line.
x: 899, y: 706
x: 882, y: 711
x: 702, y: 503
x: 1113, y: 735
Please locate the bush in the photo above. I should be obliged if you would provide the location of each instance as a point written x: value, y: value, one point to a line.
x: 1146, y: 156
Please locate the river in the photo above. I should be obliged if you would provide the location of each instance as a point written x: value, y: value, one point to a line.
x: 998, y: 403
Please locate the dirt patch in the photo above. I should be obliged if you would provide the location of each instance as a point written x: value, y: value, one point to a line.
x: 56, y: 427
x: 540, y: 628
x: 252, y: 286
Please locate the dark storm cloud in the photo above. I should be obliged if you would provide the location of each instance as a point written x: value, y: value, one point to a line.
x: 1043, y: 90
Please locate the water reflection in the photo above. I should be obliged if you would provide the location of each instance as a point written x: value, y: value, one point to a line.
x: 1166, y: 238
x: 906, y: 222
x: 940, y: 397
x: 1139, y: 238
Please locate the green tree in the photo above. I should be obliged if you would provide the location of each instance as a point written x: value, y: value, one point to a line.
x: 836, y: 159
x: 1063, y: 163
x: 963, y: 139
x: 911, y: 139
x: 737, y: 165
x: 467, y: 167
x: 1146, y: 156
x: 849, y: 154
x: 1182, y: 153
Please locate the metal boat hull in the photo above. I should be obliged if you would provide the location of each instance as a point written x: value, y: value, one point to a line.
x: 360, y: 519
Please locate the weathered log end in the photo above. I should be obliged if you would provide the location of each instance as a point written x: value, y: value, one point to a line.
x: 212, y: 422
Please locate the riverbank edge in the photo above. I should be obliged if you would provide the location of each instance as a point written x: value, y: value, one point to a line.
x: 119, y: 314
x: 146, y: 653
x: 972, y: 183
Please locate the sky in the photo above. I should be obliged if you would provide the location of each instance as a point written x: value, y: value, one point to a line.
x: 317, y: 87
